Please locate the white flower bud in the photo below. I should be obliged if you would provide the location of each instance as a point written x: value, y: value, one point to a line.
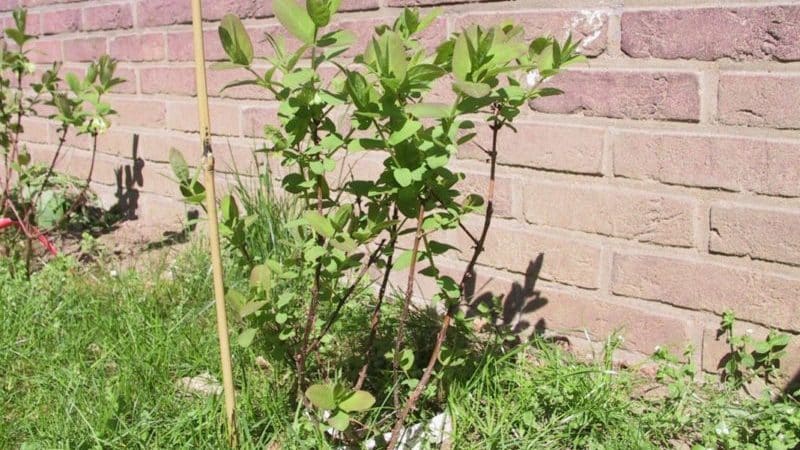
x: 533, y: 78
x: 98, y: 125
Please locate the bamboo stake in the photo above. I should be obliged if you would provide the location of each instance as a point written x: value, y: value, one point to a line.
x: 213, y: 226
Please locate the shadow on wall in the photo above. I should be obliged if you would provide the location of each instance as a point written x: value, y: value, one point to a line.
x: 127, y: 178
x: 793, y: 387
x: 518, y: 303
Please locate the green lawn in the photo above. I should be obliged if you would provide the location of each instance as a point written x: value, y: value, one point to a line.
x: 91, y: 360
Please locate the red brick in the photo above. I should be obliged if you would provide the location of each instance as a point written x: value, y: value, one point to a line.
x: 231, y: 158
x: 167, y: 80
x: 255, y: 117
x: 760, y: 233
x: 116, y: 142
x: 515, y: 247
x: 358, y: 5
x: 84, y: 49
x: 60, y: 21
x: 563, y: 148
x: 708, y: 34
x: 364, y: 30
x: 477, y: 182
x: 709, y: 161
x: 36, y: 130
x: 8, y: 5
x: 139, y: 112
x: 151, y: 13
x: 180, y: 46
x: 589, y: 26
x: 528, y: 306
x: 759, y: 99
x: 154, y: 147
x: 159, y: 179
x: 241, y: 8
x: 32, y: 3
x: 183, y: 116
x: 138, y: 47
x: 611, y: 211
x: 759, y: 297
x: 218, y: 79
x: 78, y: 163
x: 159, y: 209
x: 642, y: 329
x: 621, y: 94
x: 45, y: 51
x: 107, y: 17
x: 129, y: 86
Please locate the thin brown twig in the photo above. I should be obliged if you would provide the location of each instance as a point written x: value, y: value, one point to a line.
x: 376, y: 312
x: 401, y: 327
x: 343, y: 300
x: 467, y: 277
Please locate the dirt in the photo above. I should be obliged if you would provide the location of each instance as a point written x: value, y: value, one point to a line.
x: 125, y: 245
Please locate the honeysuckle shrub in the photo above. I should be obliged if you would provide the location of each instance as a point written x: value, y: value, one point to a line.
x: 35, y: 197
x: 376, y: 102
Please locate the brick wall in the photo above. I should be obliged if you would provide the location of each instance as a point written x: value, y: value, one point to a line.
x: 660, y: 190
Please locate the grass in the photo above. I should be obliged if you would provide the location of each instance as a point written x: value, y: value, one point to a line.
x: 90, y: 360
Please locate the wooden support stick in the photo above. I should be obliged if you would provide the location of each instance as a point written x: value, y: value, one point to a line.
x: 213, y: 224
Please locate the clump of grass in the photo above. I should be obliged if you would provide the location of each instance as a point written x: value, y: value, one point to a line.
x: 90, y: 360
x: 537, y: 396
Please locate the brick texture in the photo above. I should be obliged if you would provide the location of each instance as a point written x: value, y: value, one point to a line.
x: 709, y: 161
x: 770, y: 235
x: 662, y: 187
x: 625, y: 95
x: 755, y: 296
x: 759, y: 99
x: 708, y: 34
x: 627, y: 214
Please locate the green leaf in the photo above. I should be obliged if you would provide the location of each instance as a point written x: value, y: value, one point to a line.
x: 762, y: 347
x: 429, y: 110
x: 246, y: 337
x: 339, y: 421
x: 342, y: 216
x: 230, y: 211
x: 260, y: 277
x: 250, y: 308
x: 236, y: 299
x: 470, y: 89
x: 425, y: 72
x: 179, y: 166
x: 360, y: 144
x: 235, y: 40
x: 74, y: 83
x: 357, y: 401
x: 319, y: 11
x: 319, y: 223
x: 403, y: 176
x: 462, y: 64
x: 297, y: 78
x: 408, y: 202
x: 321, y: 396
x: 406, y: 360
x: 295, y: 19
x: 396, y: 52
x: 437, y: 160
x: 404, y: 260
x: 409, y: 129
